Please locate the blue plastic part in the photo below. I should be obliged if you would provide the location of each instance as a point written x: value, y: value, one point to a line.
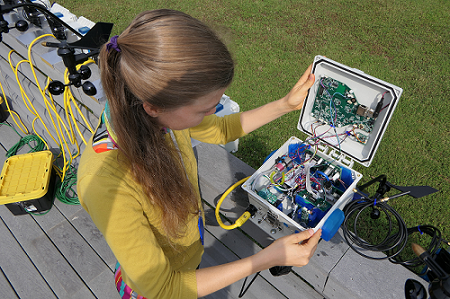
x: 323, y: 174
x: 280, y: 207
x: 219, y: 107
x: 346, y: 176
x: 270, y: 155
x: 315, y: 217
x: 83, y: 30
x: 295, y: 148
x: 303, y: 203
x: 332, y: 224
x: 58, y: 14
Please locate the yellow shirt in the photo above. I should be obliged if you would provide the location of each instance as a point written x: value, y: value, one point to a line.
x: 132, y: 226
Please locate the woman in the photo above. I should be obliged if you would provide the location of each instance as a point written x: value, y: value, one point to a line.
x: 163, y: 77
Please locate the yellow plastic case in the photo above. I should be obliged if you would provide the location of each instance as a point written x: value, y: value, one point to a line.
x: 25, y: 181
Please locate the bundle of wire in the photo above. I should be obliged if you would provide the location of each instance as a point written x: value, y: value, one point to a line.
x: 32, y: 141
x: 433, y: 246
x: 65, y: 191
x: 394, y: 241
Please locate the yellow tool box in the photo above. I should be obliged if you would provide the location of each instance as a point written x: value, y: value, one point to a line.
x: 27, y: 183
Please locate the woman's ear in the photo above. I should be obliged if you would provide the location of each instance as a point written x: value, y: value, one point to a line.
x: 150, y: 109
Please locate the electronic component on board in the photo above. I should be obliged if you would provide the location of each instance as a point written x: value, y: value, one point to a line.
x: 301, y: 185
x: 307, y: 184
x: 336, y: 105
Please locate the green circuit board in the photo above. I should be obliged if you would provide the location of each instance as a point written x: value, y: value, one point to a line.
x: 335, y: 103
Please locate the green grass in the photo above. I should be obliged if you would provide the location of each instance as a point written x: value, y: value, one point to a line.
x: 403, y: 42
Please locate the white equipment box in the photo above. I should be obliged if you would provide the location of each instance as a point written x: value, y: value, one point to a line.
x: 306, y: 184
x: 226, y: 106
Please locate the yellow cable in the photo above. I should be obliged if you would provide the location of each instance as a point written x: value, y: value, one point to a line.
x: 66, y: 110
x: 25, y: 97
x: 42, y: 91
x: 50, y: 107
x: 73, y: 98
x: 242, y: 219
x: 63, y: 144
x: 68, y: 97
x: 58, y: 129
x: 18, y: 116
x: 29, y: 56
x: 12, y: 116
x: 43, y: 140
x: 18, y: 82
x: 283, y: 178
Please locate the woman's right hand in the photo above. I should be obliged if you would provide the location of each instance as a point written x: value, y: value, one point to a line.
x: 293, y: 250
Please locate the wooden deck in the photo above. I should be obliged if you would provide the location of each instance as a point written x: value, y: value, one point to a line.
x: 62, y: 254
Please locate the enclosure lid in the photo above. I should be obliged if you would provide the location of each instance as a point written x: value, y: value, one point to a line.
x: 347, y: 111
x: 25, y: 177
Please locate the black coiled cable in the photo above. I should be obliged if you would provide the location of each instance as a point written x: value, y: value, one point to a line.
x: 395, y: 240
x: 433, y: 247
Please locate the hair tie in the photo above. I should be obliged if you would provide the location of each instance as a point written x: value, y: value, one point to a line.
x: 113, y: 44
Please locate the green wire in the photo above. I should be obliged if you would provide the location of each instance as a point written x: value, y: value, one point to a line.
x: 27, y: 140
x: 65, y: 191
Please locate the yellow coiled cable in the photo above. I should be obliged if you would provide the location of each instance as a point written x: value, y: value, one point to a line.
x: 242, y: 219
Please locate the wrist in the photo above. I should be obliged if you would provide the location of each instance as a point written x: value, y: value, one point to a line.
x: 283, y: 105
x: 263, y: 260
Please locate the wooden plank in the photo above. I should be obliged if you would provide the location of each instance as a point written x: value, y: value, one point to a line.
x: 48, y: 62
x: 56, y: 270
x: 215, y: 254
x: 350, y: 276
x: 290, y: 285
x: 8, y: 140
x: 2, y: 156
x: 82, y: 222
x: 218, y: 170
x: 20, y: 271
x: 81, y: 256
x: 35, y: 98
x: 6, y: 290
x: 24, y: 70
x: 327, y: 255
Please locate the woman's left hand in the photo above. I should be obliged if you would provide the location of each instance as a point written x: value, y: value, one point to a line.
x: 253, y: 119
x: 294, y: 99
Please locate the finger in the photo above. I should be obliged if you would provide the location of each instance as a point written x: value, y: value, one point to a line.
x: 314, y: 240
x: 305, y: 75
x: 303, y: 235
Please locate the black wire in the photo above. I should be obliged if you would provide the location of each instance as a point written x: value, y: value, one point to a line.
x: 394, y: 241
x: 433, y: 247
x: 48, y: 13
x: 242, y: 292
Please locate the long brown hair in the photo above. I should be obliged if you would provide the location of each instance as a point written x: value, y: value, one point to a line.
x: 168, y: 59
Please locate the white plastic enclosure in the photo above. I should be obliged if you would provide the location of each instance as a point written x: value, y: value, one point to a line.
x: 367, y: 90
x: 274, y: 221
x: 327, y: 148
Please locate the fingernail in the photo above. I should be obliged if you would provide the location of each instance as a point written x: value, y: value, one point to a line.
x: 311, y: 231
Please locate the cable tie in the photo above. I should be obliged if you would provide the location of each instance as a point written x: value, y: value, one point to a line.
x: 418, y: 228
x: 375, y: 202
